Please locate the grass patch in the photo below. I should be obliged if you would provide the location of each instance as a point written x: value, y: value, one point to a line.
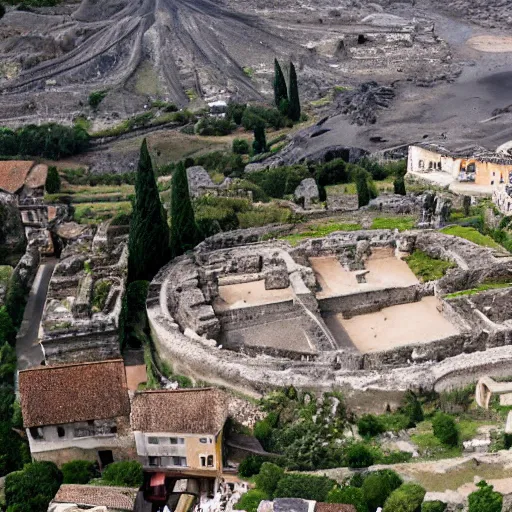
x: 94, y: 213
x: 429, y: 446
x: 100, y: 295
x: 350, y: 188
x: 320, y: 231
x: 400, y: 223
x: 478, y: 289
x: 472, y: 235
x: 191, y: 94
x: 248, y: 71
x: 5, y: 273
x: 427, y: 268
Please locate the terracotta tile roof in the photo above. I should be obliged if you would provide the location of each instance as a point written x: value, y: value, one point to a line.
x: 120, y: 498
x: 37, y: 176
x: 68, y: 393
x: 184, y: 411
x: 13, y: 174
x: 334, y: 507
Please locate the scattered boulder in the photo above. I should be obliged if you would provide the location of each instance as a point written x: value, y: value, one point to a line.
x: 307, y: 193
x: 199, y: 181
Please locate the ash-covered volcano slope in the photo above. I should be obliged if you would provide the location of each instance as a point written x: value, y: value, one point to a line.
x: 182, y: 49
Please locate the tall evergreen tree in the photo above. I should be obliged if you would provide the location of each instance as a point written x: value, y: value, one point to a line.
x: 280, y: 89
x: 363, y: 192
x: 294, y: 106
x: 184, y: 232
x: 148, y: 244
x: 259, y: 144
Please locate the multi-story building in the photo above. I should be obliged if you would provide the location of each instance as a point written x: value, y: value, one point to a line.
x: 77, y: 411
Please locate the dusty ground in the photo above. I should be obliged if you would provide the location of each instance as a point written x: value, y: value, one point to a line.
x: 385, y: 271
x: 244, y: 295
x: 418, y: 322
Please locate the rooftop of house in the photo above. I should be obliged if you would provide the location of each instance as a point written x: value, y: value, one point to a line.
x: 53, y: 395
x: 183, y: 411
x: 334, y: 507
x: 118, y: 498
x: 13, y: 174
x: 467, y: 152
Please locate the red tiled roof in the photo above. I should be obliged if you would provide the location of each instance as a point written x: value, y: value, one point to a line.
x: 13, y: 174
x: 53, y: 395
x: 120, y: 498
x: 37, y: 176
x: 334, y: 507
x: 184, y: 411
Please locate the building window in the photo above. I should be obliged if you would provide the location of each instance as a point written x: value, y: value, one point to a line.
x: 36, y: 433
x: 113, y: 430
x: 211, y: 440
x: 177, y: 440
x: 210, y: 461
x: 203, y: 440
x: 179, y: 461
x: 202, y: 461
x: 154, y: 461
x: 421, y: 164
x: 61, y: 432
x: 152, y: 440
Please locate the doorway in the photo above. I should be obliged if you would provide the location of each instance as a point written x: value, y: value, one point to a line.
x: 106, y: 458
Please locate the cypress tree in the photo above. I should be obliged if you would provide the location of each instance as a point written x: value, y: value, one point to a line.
x: 184, y: 232
x: 148, y: 244
x: 399, y: 186
x: 363, y: 192
x: 52, y: 184
x: 294, y: 106
x: 280, y: 90
x: 259, y: 144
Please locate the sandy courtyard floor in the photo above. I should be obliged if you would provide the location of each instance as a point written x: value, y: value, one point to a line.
x: 385, y: 271
x: 491, y: 44
x: 396, y: 326
x: 244, y: 295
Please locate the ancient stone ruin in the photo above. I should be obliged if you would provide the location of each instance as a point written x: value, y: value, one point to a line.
x: 343, y: 310
x: 81, y: 317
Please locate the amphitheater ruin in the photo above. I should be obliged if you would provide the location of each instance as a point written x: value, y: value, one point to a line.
x: 343, y: 311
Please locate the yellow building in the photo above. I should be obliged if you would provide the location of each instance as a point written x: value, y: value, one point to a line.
x: 179, y: 433
x: 474, y: 165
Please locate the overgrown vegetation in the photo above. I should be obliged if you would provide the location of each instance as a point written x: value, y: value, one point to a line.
x: 401, y: 223
x: 472, y: 235
x: 427, y: 268
x: 478, y: 289
x: 95, y: 98
x: 78, y: 472
x: 123, y: 474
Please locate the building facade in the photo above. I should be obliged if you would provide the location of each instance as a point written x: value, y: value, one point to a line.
x: 77, y: 411
x: 179, y: 433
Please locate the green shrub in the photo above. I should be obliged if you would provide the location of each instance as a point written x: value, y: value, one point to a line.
x: 369, y: 426
x: 250, y: 500
x: 407, y: 498
x: 263, y: 432
x: 7, y: 329
x: 100, y: 295
x: 95, y: 98
x: 378, y: 486
x: 241, y: 147
x: 485, y: 499
x: 123, y: 474
x: 255, y: 115
x: 433, y: 506
x: 268, y: 478
x: 235, y: 112
x: 411, y: 407
x: 445, y: 429
x: 348, y: 496
x: 250, y: 466
x: 32, y: 488
x: 359, y: 456
x: 258, y: 195
x: 279, y: 181
x: 332, y: 173
x: 52, y: 184
x: 307, y: 487
x: 357, y: 480
x: 121, y: 219
x: 264, y: 216
x: 78, y: 472
x: 217, y: 126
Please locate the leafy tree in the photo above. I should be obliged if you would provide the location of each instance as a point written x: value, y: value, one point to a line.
x: 78, y: 472
x: 268, y: 478
x: 52, y: 180
x: 250, y: 466
x: 407, y: 498
x: 378, y: 486
x: 280, y: 89
x: 7, y: 364
x: 15, y: 300
x: 359, y: 456
x: 485, y: 499
x: 307, y: 487
x: 411, y: 407
x: 125, y: 474
x: 241, y: 147
x: 363, y: 193
x: 235, y: 112
x: 370, y: 426
x: 7, y: 330
x: 184, y: 233
x: 263, y: 432
x: 148, y: 243
x: 433, y: 506
x: 294, y: 106
x: 259, y: 144
x: 32, y: 488
x: 250, y: 500
x: 348, y: 496
x: 445, y: 429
